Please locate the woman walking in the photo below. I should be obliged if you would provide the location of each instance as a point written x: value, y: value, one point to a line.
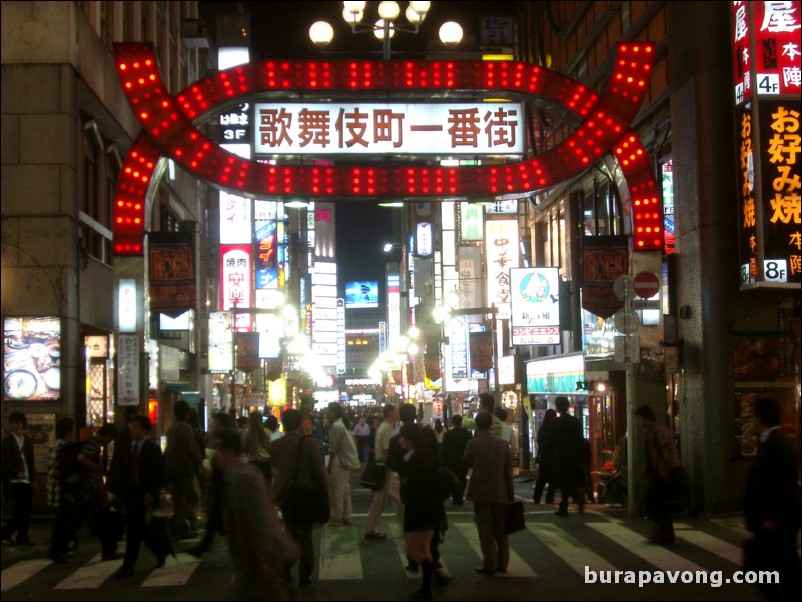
x: 545, y: 460
x: 423, y: 504
x: 257, y: 444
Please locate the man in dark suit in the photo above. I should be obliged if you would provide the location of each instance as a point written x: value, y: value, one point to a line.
x: 17, y: 462
x: 771, y: 504
x: 139, y: 491
x: 491, y: 489
x: 454, y: 442
x: 566, y: 437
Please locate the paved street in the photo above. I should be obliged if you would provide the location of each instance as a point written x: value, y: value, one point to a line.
x: 548, y: 562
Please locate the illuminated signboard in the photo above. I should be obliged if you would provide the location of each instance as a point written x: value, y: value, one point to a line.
x: 235, y: 219
x: 368, y: 128
x: 667, y: 177
x: 221, y: 342
x: 535, y: 306
x: 235, y: 281
x: 362, y: 294
x: 471, y: 223
x: 32, y: 358
x: 126, y: 305
x: 781, y: 164
x: 266, y: 258
x: 555, y: 375
x: 503, y: 253
x: 766, y: 49
x: 424, y: 239
x: 128, y: 350
x: 325, y: 319
x: 393, y: 308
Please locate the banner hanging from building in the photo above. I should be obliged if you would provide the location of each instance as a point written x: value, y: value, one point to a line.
x: 171, y: 271
x: 604, y: 259
x: 503, y: 254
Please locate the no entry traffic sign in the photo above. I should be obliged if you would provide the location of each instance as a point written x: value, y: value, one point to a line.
x: 646, y: 285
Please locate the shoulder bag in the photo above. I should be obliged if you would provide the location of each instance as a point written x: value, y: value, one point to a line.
x: 305, y: 505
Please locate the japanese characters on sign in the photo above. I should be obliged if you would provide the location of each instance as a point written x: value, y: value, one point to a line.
x: 235, y: 126
x: 771, y: 31
x: 366, y: 128
x: 503, y: 253
x: 235, y: 280
x: 604, y: 259
x: 471, y: 221
x: 781, y: 165
x: 266, y: 258
x: 747, y: 238
x: 128, y: 370
x: 221, y: 343
x: 535, y: 306
x: 171, y: 265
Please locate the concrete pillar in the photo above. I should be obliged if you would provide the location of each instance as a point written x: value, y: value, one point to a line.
x: 706, y: 259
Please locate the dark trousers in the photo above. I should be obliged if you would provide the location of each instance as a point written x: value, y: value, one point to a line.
x: 214, y: 520
x: 544, y: 478
x: 658, y: 506
x: 458, y: 487
x: 303, y: 535
x: 137, y: 532
x: 20, y: 522
x: 69, y: 517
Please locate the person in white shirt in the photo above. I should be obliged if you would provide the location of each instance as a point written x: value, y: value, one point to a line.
x: 385, y: 432
x: 343, y: 459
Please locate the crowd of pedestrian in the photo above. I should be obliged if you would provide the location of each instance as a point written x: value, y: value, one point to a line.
x: 265, y: 482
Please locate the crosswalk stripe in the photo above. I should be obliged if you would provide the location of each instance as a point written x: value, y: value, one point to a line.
x: 712, y: 544
x: 339, y: 554
x: 91, y: 575
x: 175, y: 572
x: 516, y: 567
x: 19, y: 572
x: 638, y: 545
x: 569, y: 549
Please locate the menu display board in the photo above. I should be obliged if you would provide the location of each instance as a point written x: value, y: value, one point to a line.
x: 31, y: 358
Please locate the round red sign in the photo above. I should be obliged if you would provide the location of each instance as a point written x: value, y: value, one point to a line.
x: 646, y: 285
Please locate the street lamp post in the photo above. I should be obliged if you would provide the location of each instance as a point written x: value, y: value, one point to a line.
x: 322, y: 33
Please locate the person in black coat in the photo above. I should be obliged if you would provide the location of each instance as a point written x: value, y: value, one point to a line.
x: 772, y: 504
x: 566, y: 437
x: 423, y: 506
x: 454, y: 442
x: 17, y: 467
x: 139, y: 492
x: 545, y: 459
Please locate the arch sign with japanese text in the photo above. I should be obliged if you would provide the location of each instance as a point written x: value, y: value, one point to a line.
x: 381, y: 108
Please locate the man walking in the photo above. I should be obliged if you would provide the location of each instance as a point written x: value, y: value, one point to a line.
x: 491, y: 489
x: 139, y: 492
x: 182, y: 463
x: 662, y: 457
x: 343, y: 459
x: 566, y: 437
x: 454, y: 442
x: 385, y: 432
x: 772, y: 504
x: 17, y: 463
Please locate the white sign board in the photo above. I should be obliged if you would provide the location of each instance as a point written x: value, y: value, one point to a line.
x: 370, y: 128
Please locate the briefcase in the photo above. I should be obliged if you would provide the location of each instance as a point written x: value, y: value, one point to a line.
x: 515, y: 517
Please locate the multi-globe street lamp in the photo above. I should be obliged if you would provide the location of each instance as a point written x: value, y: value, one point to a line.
x: 322, y: 33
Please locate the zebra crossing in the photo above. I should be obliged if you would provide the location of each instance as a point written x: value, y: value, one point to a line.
x: 549, y: 548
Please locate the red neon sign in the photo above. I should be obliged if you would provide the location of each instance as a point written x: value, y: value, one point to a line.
x: 169, y: 128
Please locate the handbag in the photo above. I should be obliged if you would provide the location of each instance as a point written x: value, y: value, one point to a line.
x: 373, y: 476
x: 304, y: 505
x: 514, y: 517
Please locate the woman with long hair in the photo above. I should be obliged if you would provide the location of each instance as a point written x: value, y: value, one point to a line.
x: 423, y: 504
x: 257, y: 444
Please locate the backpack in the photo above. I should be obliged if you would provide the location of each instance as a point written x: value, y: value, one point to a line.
x: 69, y: 470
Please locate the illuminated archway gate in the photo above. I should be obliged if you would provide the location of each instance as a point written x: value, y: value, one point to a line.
x: 169, y: 130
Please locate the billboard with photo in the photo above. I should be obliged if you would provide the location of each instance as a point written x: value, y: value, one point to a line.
x: 362, y: 294
x: 31, y: 358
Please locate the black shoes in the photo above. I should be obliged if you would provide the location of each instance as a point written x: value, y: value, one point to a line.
x: 561, y: 512
x: 482, y: 570
x: 56, y: 559
x: 123, y: 573
x: 24, y: 542
x: 375, y: 536
x: 160, y: 560
x: 304, y: 581
x: 107, y: 557
x: 420, y: 595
